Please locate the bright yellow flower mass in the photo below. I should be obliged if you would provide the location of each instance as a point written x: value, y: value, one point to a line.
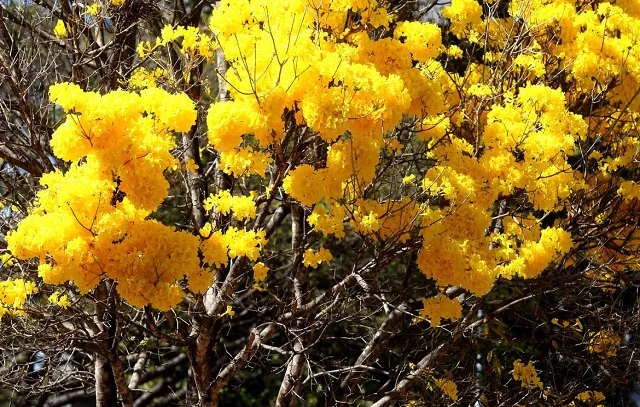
x: 342, y: 91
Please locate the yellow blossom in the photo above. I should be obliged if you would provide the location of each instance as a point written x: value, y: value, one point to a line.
x: 604, y: 342
x: 313, y: 259
x: 93, y: 9
x: 6, y: 260
x: 448, y: 387
x: 229, y: 312
x: 60, y: 30
x: 454, y: 51
x: 440, y: 307
x: 423, y: 40
x: 243, y: 207
x: 408, y: 179
x: 13, y: 296
x: 588, y: 395
x: 260, y: 272
x: 191, y: 165
x: 206, y: 229
x: 244, y: 242
x: 526, y: 374
x: 60, y: 300
x: 89, y: 224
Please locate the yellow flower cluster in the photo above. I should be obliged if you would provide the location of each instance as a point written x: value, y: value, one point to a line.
x: 531, y: 63
x: 192, y: 42
x: 244, y: 161
x: 215, y: 247
x: 328, y: 221
x: 13, y: 295
x: 537, y: 123
x: 61, y: 301
x: 465, y: 19
x: 604, y: 342
x: 586, y: 396
x: 422, y: 40
x: 389, y: 219
x: 93, y: 9
x: 243, y: 207
x: 260, y: 272
x: 313, y: 259
x: 6, y: 260
x: 304, y: 183
x: 350, y: 89
x: 142, y: 78
x: 492, y: 134
x: 245, y: 242
x: 456, y: 250
x: 526, y: 374
x: 336, y: 81
x: 596, y: 44
x: 538, y: 255
x: 629, y: 190
x: 125, y: 136
x: 90, y: 223
x: 218, y: 246
x: 440, y: 307
x: 60, y: 30
x: 448, y: 387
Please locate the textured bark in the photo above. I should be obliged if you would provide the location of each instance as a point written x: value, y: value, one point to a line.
x: 287, y: 393
x: 106, y: 321
x: 121, y: 384
x: 195, y: 179
x: 138, y: 369
x: 222, y: 66
x: 106, y: 391
x: 201, y: 357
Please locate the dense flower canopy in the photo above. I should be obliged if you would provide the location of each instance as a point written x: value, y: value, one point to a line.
x: 349, y: 88
x: 344, y: 139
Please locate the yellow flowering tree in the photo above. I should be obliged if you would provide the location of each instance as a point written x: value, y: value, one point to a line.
x: 334, y: 201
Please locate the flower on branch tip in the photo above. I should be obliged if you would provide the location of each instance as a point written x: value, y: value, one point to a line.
x: 229, y: 312
x: 313, y: 259
x: 60, y: 30
x: 448, y: 387
x: 260, y: 272
x: 92, y: 10
x: 60, y: 300
x: 526, y: 374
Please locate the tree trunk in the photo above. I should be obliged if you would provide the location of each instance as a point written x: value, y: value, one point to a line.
x: 106, y: 393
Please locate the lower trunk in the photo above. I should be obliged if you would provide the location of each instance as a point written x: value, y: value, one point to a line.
x: 202, y: 361
x: 106, y: 392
